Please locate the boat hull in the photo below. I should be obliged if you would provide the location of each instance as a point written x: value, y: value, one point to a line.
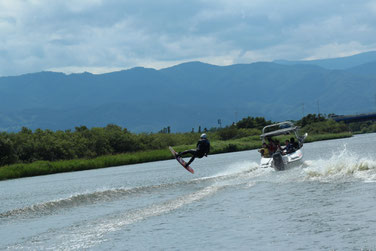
x: 282, y: 162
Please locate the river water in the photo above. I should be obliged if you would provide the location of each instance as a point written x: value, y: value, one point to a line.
x: 327, y: 204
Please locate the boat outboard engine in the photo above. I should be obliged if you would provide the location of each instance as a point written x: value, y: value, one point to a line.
x: 278, y: 161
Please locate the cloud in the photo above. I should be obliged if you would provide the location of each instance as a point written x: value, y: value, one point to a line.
x: 100, y: 36
x: 333, y: 50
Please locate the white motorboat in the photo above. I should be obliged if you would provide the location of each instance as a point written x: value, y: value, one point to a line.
x: 280, y: 159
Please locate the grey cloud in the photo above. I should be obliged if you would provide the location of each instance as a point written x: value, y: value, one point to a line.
x: 117, y: 34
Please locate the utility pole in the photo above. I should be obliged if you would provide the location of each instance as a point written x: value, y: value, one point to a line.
x: 318, y: 108
x: 303, y: 110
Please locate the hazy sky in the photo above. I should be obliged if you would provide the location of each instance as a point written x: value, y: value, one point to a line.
x: 107, y: 35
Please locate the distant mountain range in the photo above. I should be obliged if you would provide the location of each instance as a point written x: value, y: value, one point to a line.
x: 342, y: 63
x: 189, y: 95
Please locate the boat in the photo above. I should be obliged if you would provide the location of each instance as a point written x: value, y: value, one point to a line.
x: 280, y: 159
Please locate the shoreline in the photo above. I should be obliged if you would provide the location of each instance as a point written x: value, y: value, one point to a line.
x: 37, y: 168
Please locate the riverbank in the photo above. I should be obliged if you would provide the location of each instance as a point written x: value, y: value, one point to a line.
x: 51, y: 167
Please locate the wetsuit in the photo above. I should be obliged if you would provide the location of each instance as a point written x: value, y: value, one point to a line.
x: 202, y: 149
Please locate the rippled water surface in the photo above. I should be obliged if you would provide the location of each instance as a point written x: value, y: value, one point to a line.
x: 229, y: 203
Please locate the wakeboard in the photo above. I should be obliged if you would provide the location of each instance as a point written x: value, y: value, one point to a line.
x: 180, y: 160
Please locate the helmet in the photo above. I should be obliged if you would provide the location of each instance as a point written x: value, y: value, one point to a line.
x: 203, y: 136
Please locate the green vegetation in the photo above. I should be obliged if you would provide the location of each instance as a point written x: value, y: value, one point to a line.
x: 28, y: 153
x: 363, y: 127
x: 50, y: 167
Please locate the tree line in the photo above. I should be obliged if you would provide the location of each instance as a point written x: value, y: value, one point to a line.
x: 27, y: 146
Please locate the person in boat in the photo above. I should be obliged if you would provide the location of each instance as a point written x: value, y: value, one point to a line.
x: 264, y: 151
x: 202, y: 149
x: 294, y: 144
x: 272, y: 147
x: 278, y: 145
x: 289, y: 148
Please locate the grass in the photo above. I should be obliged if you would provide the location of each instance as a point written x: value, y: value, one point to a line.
x: 47, y: 167
x: 50, y: 167
x: 319, y: 137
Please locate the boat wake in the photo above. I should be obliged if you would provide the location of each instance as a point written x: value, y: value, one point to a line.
x: 239, y: 170
x: 84, y: 236
x: 92, y: 232
x: 344, y: 165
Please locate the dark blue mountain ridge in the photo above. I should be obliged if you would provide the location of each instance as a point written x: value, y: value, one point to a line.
x: 184, y: 96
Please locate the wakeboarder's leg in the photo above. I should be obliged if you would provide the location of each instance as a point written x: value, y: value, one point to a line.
x: 191, y: 151
x: 191, y: 160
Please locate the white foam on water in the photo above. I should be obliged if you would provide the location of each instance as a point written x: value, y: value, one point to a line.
x: 343, y: 165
